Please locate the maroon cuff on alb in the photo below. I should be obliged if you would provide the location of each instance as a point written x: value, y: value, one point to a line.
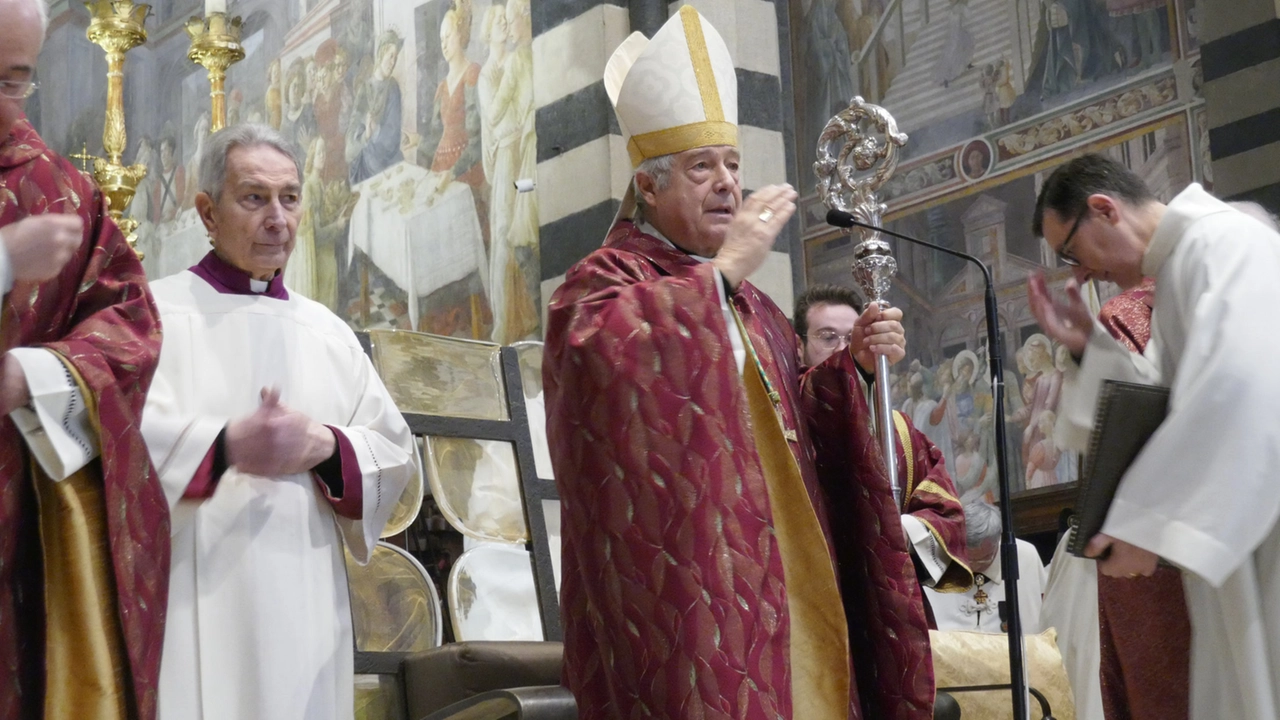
x: 205, y: 481
x: 340, y: 478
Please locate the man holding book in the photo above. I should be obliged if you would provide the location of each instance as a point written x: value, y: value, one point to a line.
x: 1200, y: 494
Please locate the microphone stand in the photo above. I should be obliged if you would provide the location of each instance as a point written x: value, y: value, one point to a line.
x: 1008, y: 546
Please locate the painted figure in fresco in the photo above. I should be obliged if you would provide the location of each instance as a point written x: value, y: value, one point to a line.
x: 333, y: 107
x: 957, y: 54
x: 171, y: 183
x: 859, y: 19
x: 322, y: 229
x: 929, y: 415
x: 827, y: 58
x: 274, y: 96
x: 513, y: 215
x: 451, y: 145
x: 1078, y: 45
x: 140, y: 207
x: 199, y: 133
x: 299, y: 118
x: 493, y: 30
x: 373, y: 141
x: 1041, y: 387
x: 1140, y: 30
x: 1042, y: 461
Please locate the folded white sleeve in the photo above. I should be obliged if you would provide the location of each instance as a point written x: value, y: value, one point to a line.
x: 56, y: 424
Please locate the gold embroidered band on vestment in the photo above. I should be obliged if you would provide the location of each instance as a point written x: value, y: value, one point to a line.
x: 819, y: 642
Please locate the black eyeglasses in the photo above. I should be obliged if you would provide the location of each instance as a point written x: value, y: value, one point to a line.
x: 1064, y: 254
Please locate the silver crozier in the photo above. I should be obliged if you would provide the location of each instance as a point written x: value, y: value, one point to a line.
x: 857, y: 153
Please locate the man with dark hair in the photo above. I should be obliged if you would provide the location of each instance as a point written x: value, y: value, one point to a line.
x: 932, y: 518
x: 1201, y: 494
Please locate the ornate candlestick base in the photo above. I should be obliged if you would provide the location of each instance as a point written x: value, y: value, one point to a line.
x: 215, y: 45
x: 117, y: 26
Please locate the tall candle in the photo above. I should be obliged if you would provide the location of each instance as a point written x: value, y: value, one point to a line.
x: 215, y: 6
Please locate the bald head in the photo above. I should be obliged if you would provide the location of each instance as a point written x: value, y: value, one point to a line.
x: 22, y: 27
x: 40, y: 9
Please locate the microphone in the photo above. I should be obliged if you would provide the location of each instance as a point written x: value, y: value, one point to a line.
x: 1008, y: 545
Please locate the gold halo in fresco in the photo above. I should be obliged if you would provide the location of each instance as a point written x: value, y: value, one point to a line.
x: 410, y: 502
x: 394, y: 604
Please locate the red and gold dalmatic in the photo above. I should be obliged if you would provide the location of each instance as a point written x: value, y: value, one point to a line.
x: 676, y: 598
x: 83, y: 562
x: 1144, y: 630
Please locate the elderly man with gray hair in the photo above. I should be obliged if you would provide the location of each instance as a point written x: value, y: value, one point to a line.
x: 276, y: 444
x: 978, y: 608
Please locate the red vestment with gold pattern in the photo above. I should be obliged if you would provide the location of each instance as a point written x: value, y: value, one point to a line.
x: 673, y: 592
x: 98, y: 315
x: 1143, y: 627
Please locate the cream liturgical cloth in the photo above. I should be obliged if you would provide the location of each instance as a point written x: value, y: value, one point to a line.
x: 1203, y: 493
x: 259, y: 622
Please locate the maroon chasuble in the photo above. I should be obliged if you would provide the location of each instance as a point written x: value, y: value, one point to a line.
x: 673, y: 593
x: 1143, y: 627
x: 99, y: 316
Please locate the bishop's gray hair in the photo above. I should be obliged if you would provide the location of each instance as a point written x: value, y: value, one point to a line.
x: 658, y: 168
x: 981, y: 523
x: 213, y: 157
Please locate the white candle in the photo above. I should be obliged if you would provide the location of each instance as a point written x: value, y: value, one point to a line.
x: 215, y: 6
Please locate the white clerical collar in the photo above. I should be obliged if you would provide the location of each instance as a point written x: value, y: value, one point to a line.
x: 259, y: 286
x: 1189, y: 206
x: 648, y: 229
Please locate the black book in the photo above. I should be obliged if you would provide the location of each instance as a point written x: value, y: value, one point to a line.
x: 1127, y: 416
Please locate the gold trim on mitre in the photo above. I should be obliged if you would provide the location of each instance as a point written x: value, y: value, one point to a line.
x: 701, y: 64
x: 679, y: 139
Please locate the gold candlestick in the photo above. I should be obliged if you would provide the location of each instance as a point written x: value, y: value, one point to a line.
x: 117, y: 26
x: 215, y: 44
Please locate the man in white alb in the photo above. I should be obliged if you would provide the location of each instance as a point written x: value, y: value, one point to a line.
x: 277, y: 446
x: 1202, y: 494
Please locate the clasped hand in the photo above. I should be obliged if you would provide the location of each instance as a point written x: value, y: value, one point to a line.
x: 277, y: 440
x: 878, y: 332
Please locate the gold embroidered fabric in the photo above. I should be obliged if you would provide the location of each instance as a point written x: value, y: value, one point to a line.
x: 972, y: 658
x: 701, y: 61
x: 84, y: 645
x: 84, y: 654
x: 820, y: 675
x: 681, y: 138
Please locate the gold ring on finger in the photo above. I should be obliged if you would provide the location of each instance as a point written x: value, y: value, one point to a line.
x: 766, y: 215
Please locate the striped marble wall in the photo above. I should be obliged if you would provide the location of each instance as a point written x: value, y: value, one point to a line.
x: 1240, y: 53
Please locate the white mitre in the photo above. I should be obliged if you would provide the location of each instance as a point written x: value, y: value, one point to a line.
x: 675, y: 92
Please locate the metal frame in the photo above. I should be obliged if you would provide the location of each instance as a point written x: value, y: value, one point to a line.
x: 533, y: 489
